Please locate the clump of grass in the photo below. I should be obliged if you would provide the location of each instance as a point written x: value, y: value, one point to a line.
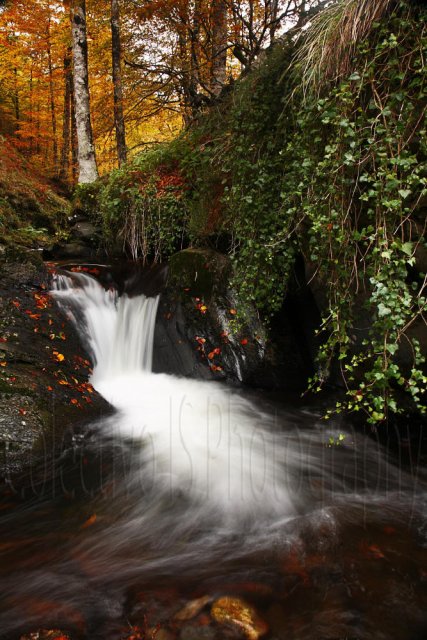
x: 331, y: 41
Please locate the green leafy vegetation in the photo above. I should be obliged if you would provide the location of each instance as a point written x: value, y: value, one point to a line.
x: 332, y: 167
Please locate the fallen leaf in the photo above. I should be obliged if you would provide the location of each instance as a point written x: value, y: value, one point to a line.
x: 233, y: 312
x: 376, y: 551
x: 89, y: 522
x: 244, y: 341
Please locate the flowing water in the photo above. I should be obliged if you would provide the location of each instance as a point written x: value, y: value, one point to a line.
x: 191, y: 489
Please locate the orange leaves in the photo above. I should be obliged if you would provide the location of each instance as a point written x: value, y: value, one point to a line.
x: 59, y: 357
x: 33, y: 316
x: 232, y: 312
x: 16, y: 303
x: 43, y: 300
x: 3, y: 363
x: 214, y: 353
x: 244, y: 341
x: 167, y: 183
x: 93, y: 270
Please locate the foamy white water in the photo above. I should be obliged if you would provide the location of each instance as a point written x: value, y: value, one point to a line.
x: 197, y: 438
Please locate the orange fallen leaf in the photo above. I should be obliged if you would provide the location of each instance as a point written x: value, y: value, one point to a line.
x: 244, y: 341
x: 16, y: 303
x: 89, y: 522
x: 3, y: 364
x: 233, y: 312
x: 22, y: 411
x: 49, y: 388
x: 376, y: 551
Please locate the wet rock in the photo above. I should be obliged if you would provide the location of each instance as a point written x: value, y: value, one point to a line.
x: 69, y: 251
x: 203, y: 330
x: 85, y: 230
x: 240, y: 615
x: 43, y: 368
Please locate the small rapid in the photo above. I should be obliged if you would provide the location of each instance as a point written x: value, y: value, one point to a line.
x: 191, y: 490
x: 196, y: 437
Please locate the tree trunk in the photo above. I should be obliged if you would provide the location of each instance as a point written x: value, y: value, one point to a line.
x: 88, y: 171
x: 74, y: 146
x: 119, y: 120
x: 219, y: 45
x: 52, y: 99
x: 16, y: 100
x: 66, y: 123
x: 196, y: 57
x: 274, y: 7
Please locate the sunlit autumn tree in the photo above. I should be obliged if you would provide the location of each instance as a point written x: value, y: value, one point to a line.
x: 153, y: 65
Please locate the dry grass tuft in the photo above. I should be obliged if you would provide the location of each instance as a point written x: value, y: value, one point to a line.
x: 331, y: 40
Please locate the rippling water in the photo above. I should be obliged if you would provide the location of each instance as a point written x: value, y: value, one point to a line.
x: 190, y: 489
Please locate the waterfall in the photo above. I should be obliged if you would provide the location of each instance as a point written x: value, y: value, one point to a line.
x: 119, y: 331
x: 196, y: 438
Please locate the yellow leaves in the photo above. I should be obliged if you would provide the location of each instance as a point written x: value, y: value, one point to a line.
x: 237, y: 613
x: 59, y: 357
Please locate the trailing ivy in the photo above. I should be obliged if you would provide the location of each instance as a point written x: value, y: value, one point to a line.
x: 339, y: 177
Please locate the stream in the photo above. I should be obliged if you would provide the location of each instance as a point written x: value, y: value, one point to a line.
x: 191, y: 490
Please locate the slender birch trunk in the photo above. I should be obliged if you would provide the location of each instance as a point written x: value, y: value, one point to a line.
x: 88, y: 171
x: 219, y: 45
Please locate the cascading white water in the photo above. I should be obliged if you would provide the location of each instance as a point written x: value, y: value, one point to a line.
x: 119, y: 330
x: 198, y: 438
